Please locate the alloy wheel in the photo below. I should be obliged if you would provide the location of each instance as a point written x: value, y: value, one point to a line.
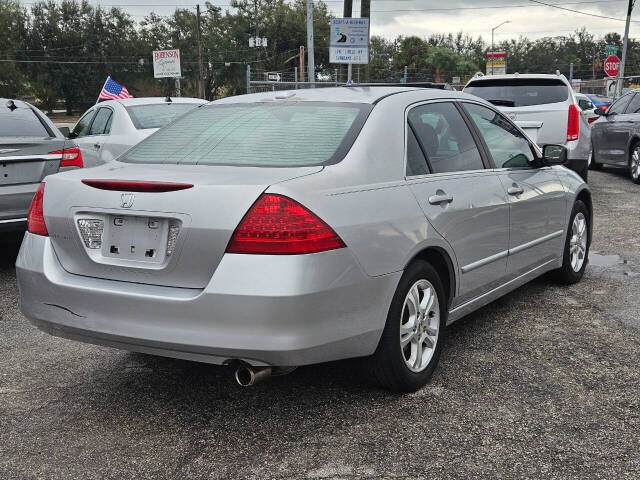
x: 419, y: 325
x: 578, y: 242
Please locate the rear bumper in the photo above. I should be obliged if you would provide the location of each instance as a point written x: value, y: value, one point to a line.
x: 14, y: 204
x: 265, y: 310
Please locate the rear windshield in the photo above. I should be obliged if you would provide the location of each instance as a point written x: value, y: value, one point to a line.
x: 157, y: 115
x: 256, y: 134
x: 519, y: 92
x: 21, y: 122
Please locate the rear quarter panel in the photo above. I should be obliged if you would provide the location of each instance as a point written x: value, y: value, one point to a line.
x: 365, y: 198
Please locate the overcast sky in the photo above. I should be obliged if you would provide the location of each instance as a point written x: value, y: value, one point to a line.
x: 391, y: 18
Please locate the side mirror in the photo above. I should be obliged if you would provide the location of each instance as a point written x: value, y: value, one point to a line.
x: 65, y: 131
x: 554, y: 155
x: 601, y: 112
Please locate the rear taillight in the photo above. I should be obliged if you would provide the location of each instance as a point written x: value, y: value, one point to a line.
x: 278, y: 225
x: 573, y: 124
x: 35, y: 217
x: 71, y: 157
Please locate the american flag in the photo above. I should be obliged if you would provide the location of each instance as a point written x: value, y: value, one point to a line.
x: 112, y: 90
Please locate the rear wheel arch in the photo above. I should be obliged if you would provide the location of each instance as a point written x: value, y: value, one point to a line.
x: 585, y: 197
x: 439, y: 259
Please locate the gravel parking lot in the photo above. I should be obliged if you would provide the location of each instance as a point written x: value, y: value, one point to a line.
x: 544, y: 383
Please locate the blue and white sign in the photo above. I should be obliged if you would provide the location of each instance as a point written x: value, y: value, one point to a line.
x: 349, y: 40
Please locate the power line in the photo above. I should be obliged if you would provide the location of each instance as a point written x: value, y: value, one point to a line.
x: 577, y: 11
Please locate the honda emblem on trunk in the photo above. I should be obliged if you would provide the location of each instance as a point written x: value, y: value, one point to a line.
x: 126, y: 200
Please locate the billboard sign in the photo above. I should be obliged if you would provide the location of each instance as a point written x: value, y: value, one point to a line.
x: 166, y: 64
x: 349, y: 41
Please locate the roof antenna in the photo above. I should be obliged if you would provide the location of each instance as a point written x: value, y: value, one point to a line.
x: 11, y: 105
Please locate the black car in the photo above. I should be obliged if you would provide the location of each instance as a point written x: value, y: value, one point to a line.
x: 615, y: 136
x: 31, y: 148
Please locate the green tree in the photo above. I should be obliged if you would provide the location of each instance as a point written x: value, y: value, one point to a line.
x: 13, y: 30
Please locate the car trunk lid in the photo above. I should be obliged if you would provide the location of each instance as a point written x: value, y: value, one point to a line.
x: 28, y: 159
x: 544, y: 124
x: 168, y: 236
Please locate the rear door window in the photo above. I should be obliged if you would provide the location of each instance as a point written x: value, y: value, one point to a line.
x: 513, y: 92
x: 508, y: 147
x: 101, y: 122
x: 444, y: 138
x: 416, y: 163
x: 21, y: 122
x: 82, y: 127
x: 634, y: 105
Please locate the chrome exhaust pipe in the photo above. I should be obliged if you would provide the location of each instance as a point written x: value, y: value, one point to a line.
x: 247, y: 376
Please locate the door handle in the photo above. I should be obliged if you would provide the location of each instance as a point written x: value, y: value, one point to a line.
x: 440, y: 198
x: 515, y: 190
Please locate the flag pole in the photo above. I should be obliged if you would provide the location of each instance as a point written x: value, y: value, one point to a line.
x: 103, y: 85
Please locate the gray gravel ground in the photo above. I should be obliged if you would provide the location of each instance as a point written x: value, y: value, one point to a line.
x: 543, y: 383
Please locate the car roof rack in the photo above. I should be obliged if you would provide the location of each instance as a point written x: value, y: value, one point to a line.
x: 440, y: 86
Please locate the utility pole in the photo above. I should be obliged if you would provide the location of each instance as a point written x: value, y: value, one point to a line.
x: 310, y: 49
x: 348, y: 8
x: 255, y: 16
x: 365, y: 12
x: 199, y: 39
x: 348, y: 13
x: 624, y: 48
x: 571, y: 73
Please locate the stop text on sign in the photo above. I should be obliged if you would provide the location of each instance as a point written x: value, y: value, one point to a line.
x: 612, y: 65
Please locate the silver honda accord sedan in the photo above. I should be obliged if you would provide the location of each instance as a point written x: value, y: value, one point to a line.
x: 280, y: 229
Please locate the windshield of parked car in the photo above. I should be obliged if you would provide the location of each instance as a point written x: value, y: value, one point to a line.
x: 157, y: 115
x: 21, y: 122
x: 282, y: 134
x: 513, y: 92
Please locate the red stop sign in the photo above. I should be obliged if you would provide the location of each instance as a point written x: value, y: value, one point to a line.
x: 612, y: 65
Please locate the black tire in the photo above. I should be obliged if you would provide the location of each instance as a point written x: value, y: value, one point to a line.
x: 594, y: 165
x: 566, y: 274
x: 388, y: 364
x: 634, y: 174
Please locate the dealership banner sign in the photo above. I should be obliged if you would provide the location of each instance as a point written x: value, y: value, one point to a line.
x: 166, y: 64
x: 496, y: 63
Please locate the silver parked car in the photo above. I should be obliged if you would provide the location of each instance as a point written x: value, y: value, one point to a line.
x: 110, y: 128
x: 31, y: 148
x: 282, y: 229
x: 545, y: 107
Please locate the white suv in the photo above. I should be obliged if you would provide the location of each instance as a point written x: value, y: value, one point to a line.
x: 545, y: 107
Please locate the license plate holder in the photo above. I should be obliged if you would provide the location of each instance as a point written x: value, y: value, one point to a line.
x: 135, y: 238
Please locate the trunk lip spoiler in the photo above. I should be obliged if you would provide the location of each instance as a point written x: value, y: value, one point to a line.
x: 144, y: 186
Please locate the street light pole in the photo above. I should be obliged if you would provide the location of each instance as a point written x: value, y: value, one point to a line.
x: 310, y: 49
x: 624, y: 49
x: 492, y: 32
